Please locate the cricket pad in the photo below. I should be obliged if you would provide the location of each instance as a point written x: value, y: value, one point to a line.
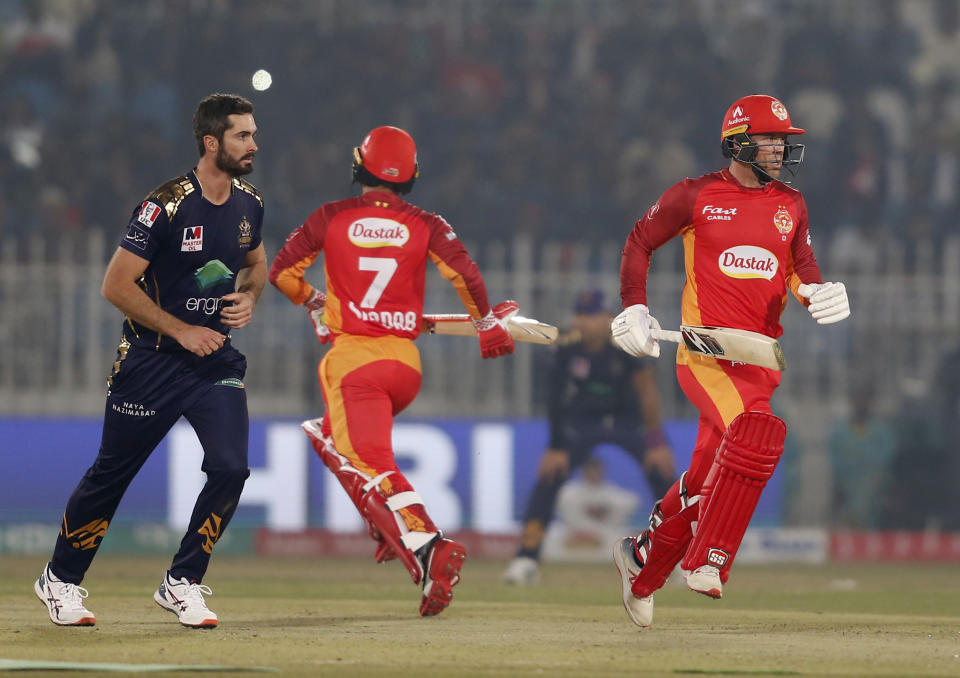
x: 746, y: 459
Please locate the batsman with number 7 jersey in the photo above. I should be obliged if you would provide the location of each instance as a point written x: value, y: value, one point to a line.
x: 375, y: 249
x: 746, y: 243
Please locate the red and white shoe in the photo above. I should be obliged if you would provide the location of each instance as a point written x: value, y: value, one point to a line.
x: 706, y: 580
x: 64, y: 601
x: 442, y: 573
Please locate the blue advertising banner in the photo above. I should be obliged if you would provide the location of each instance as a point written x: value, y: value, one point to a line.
x: 472, y: 473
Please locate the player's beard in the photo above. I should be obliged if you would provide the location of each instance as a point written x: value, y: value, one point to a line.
x: 235, y: 168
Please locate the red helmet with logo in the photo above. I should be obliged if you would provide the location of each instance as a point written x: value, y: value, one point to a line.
x: 760, y: 114
x: 757, y: 114
x: 388, y: 153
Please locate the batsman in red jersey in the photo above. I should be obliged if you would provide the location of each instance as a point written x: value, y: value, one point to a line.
x: 746, y: 243
x: 376, y: 248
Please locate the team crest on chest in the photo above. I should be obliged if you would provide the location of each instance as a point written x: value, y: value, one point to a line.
x: 782, y: 220
x: 192, y: 239
x: 246, y: 233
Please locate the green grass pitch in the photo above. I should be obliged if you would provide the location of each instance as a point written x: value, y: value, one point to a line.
x: 312, y: 617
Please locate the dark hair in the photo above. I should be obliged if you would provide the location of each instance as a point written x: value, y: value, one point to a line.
x: 363, y: 176
x: 213, y: 113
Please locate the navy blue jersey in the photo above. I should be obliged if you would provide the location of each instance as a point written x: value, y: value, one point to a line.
x: 590, y: 388
x: 195, y: 250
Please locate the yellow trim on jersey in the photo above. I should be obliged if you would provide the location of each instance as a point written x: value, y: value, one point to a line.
x: 290, y: 280
x: 689, y: 302
x: 459, y: 284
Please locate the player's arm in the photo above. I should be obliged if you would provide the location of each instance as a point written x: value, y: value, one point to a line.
x: 666, y: 219
x: 250, y: 281
x: 657, y: 454
x: 120, y: 289
x: 826, y: 301
x: 296, y: 256
x: 455, y: 264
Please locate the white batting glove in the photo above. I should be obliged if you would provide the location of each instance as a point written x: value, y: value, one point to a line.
x: 631, y: 332
x: 828, y: 301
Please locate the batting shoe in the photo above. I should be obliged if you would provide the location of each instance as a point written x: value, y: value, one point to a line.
x: 640, y: 610
x: 441, y: 574
x: 522, y: 571
x: 185, y: 599
x: 706, y: 580
x: 64, y: 601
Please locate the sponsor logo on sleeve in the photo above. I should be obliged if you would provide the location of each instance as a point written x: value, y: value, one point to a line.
x: 148, y: 213
x: 377, y: 232
x: 653, y: 210
x: 192, y: 239
x: 137, y: 237
x: 748, y: 261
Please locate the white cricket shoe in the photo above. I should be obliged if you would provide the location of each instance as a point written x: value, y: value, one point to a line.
x: 522, y: 571
x: 640, y: 610
x: 185, y: 599
x: 64, y: 601
x: 706, y: 580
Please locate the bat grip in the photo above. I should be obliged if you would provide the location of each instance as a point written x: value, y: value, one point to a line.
x: 667, y: 335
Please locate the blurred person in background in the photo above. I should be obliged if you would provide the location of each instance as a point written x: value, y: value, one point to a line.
x: 375, y: 249
x: 189, y: 270
x: 592, y: 512
x: 597, y: 395
x: 861, y: 446
x: 746, y: 242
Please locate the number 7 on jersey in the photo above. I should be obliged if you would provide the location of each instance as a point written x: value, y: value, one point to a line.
x: 385, y: 268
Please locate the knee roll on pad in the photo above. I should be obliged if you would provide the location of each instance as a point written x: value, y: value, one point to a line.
x: 746, y: 459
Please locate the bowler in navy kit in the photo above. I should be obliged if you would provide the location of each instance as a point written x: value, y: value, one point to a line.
x: 596, y: 395
x: 189, y: 269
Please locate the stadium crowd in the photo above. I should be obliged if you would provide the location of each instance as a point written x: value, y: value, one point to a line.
x: 560, y: 119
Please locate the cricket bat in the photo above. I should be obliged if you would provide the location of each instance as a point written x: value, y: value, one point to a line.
x: 459, y: 324
x: 740, y: 346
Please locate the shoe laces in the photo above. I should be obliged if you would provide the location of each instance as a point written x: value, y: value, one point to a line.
x: 193, y: 593
x: 71, y: 594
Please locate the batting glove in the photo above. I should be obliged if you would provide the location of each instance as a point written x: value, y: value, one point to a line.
x: 316, y: 301
x: 632, y: 331
x: 315, y: 305
x: 495, y: 340
x: 828, y: 301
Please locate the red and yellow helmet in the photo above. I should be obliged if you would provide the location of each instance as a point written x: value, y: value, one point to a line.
x: 757, y: 114
x: 389, y: 154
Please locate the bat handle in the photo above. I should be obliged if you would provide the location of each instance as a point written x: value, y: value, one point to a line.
x: 667, y: 335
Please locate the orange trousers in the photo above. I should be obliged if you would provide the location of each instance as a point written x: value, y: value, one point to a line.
x: 366, y: 381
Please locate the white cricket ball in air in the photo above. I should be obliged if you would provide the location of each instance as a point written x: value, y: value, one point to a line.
x: 261, y: 80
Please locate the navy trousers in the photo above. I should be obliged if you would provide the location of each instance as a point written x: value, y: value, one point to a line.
x: 149, y: 392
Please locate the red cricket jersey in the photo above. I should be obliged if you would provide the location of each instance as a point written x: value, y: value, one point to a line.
x: 376, y: 248
x: 743, y: 248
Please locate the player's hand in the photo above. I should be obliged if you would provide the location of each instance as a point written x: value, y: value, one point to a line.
x: 828, y: 301
x: 319, y: 327
x: 632, y: 331
x: 315, y: 304
x: 237, y: 309
x: 495, y: 340
x: 200, y: 340
x: 555, y: 464
x: 316, y: 301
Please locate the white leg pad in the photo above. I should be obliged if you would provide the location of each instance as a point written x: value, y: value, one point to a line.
x: 403, y: 500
